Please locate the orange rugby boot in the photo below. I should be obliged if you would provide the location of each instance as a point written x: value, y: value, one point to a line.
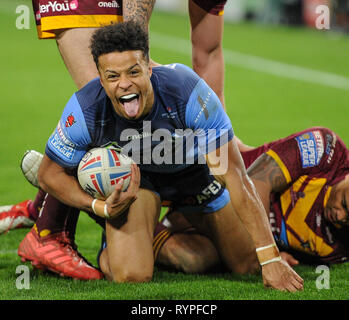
x: 58, y: 253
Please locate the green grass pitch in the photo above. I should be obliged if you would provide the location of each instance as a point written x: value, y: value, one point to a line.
x: 265, y: 100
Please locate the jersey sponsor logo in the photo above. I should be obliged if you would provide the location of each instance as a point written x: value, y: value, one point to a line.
x: 203, y: 104
x: 108, y: 4
x: 330, y: 146
x: 211, y: 190
x: 63, y: 137
x: 169, y: 114
x: 70, y: 121
x: 319, y: 143
x: 311, y: 148
x: 66, y: 151
x: 56, y: 6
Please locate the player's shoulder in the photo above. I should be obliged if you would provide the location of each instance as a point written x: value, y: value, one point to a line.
x: 92, y: 93
x: 176, y: 79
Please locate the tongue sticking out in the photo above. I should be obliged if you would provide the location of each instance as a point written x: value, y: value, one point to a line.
x: 131, y: 107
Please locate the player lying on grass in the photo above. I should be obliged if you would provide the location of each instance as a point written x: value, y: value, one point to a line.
x: 303, y: 181
x: 171, y: 97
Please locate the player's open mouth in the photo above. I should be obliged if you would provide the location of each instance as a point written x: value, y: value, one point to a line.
x: 130, y: 103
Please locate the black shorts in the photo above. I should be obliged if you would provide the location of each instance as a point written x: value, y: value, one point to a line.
x: 212, y: 6
x: 193, y: 189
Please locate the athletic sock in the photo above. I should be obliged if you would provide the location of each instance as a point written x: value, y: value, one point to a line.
x: 161, y: 235
x: 34, y: 207
x: 56, y: 217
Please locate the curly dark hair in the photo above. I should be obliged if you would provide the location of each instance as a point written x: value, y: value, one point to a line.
x: 119, y: 37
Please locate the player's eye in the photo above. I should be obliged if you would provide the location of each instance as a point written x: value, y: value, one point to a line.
x: 112, y: 76
x: 134, y: 72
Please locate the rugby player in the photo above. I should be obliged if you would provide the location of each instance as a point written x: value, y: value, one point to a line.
x: 127, y: 94
x: 71, y: 25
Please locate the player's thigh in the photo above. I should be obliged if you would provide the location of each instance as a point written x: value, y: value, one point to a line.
x: 189, y: 252
x: 206, y: 29
x: 231, y: 239
x: 130, y: 242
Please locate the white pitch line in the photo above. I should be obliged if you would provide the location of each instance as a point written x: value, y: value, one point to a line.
x: 258, y: 64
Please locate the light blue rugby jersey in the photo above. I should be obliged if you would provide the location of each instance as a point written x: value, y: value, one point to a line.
x: 185, y: 114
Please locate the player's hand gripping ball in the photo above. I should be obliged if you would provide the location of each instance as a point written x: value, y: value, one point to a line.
x: 101, y: 169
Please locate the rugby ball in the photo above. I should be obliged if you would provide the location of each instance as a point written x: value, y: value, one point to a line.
x: 101, y: 169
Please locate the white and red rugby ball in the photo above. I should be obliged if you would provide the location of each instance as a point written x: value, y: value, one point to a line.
x: 101, y: 169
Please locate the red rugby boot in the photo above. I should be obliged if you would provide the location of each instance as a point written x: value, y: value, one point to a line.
x: 57, y: 253
x: 15, y: 216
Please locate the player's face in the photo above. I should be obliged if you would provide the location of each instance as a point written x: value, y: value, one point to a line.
x: 125, y: 77
x: 337, y: 207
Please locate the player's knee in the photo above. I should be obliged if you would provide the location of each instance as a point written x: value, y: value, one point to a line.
x: 128, y: 272
x: 202, y: 55
x: 125, y: 273
x: 131, y: 276
x: 104, y: 264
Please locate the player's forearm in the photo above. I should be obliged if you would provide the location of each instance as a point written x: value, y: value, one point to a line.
x: 138, y: 11
x: 250, y: 210
x: 55, y: 181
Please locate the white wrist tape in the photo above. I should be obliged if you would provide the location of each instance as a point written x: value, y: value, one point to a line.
x: 268, y: 254
x: 106, y: 214
x: 271, y: 260
x: 105, y: 208
x: 266, y: 247
x: 93, y: 206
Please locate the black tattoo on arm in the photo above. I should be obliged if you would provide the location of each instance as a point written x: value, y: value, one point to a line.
x: 138, y: 11
x: 265, y: 169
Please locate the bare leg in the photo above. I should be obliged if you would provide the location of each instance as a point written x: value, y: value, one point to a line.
x: 207, y: 52
x: 207, y: 56
x: 230, y: 238
x: 188, y: 252
x: 73, y: 45
x: 129, y: 253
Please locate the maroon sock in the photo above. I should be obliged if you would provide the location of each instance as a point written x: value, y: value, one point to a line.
x: 35, y: 206
x: 55, y: 217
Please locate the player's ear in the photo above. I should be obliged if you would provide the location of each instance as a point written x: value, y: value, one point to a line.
x: 100, y: 79
x: 150, y: 69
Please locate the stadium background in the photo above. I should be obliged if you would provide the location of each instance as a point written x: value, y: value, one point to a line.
x: 281, y: 76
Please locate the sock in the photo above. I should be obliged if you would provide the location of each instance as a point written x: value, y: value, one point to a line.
x: 56, y: 217
x: 34, y: 207
x: 161, y: 235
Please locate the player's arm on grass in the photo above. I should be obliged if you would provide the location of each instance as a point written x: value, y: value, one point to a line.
x: 248, y: 206
x: 225, y: 162
x: 268, y: 178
